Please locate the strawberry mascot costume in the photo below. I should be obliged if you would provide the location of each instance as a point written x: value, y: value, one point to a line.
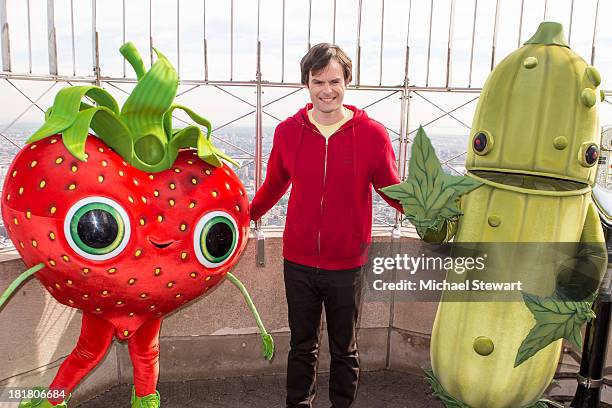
x: 127, y: 225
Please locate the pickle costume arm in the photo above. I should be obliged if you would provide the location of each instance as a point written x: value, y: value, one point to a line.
x: 429, y: 196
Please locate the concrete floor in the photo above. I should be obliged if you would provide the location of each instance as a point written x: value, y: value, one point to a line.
x: 382, y: 389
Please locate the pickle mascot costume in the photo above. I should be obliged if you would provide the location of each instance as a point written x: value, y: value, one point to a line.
x: 531, y: 162
x: 127, y: 225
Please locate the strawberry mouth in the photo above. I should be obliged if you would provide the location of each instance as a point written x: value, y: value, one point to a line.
x: 161, y: 245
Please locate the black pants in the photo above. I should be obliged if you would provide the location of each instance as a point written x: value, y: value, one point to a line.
x: 308, y: 290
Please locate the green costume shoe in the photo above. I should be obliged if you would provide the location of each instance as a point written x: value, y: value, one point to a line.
x: 148, y: 401
x: 41, y: 403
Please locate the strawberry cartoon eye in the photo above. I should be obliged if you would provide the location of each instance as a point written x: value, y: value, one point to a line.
x: 97, y: 228
x: 215, y: 238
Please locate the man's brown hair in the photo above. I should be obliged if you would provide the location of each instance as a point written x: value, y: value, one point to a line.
x: 319, y: 56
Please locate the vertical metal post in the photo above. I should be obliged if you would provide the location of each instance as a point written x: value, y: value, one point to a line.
x: 4, y: 38
x: 231, y: 40
x: 309, y: 22
x: 569, y: 35
x: 594, y: 33
x: 334, y: 27
x: 382, y: 35
x: 178, y: 37
x: 472, y: 46
x: 451, y: 26
x: 123, y: 33
x: 205, y: 42
x: 283, y: 46
x: 358, y: 51
x: 494, y: 42
x: 261, y: 255
x: 30, y: 37
x: 518, y: 44
x: 51, y: 43
x: 71, y: 39
x: 150, y: 32
x: 429, y: 42
x: 545, y: 10
x: 94, y: 48
x: 407, y: 57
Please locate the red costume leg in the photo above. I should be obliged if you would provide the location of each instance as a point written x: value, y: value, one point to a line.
x: 144, y: 352
x: 96, y: 336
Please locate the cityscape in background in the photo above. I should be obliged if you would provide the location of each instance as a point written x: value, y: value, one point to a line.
x: 446, y: 145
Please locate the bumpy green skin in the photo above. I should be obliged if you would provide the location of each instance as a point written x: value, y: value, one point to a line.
x: 537, y: 108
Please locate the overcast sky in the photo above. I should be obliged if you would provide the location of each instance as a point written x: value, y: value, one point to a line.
x: 221, y: 107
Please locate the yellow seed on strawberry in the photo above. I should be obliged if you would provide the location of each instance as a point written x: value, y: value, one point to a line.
x: 104, y: 163
x: 152, y: 307
x: 241, y: 192
x: 138, y: 252
x: 112, y: 270
x: 33, y: 147
x: 105, y: 293
x: 142, y: 221
x: 193, y: 275
x: 143, y: 295
x: 126, y: 333
x: 183, y: 255
x: 16, y: 221
x: 214, y: 193
x: 42, y: 184
x: 177, y: 170
x: 34, y: 243
x: 194, y: 181
x: 8, y: 197
x: 72, y: 186
x: 170, y: 284
x: 28, y: 214
x: 52, y: 210
x: 14, y: 173
x: 52, y: 262
x: 20, y: 190
x: 135, y: 182
x: 85, y: 271
x: 21, y: 245
x: 157, y: 271
x: 131, y: 314
x: 59, y: 160
x: 100, y: 179
x: 160, y: 218
x: 237, y: 207
x: 74, y: 168
x: 207, y: 278
x: 85, y: 296
x: 183, y: 227
x: 65, y: 258
x: 178, y: 295
x: 101, y: 150
x: 143, y: 199
x: 57, y: 285
x: 192, y: 204
x: 121, y: 173
x: 172, y: 186
x: 130, y: 199
x: 189, y: 161
x: 69, y: 282
x: 52, y: 236
x: 71, y: 301
x: 227, y: 186
x: 131, y: 281
x: 53, y: 141
x: 171, y: 202
x: 151, y: 177
x: 33, y: 163
x: 119, y: 302
x: 207, y: 171
x: 98, y: 310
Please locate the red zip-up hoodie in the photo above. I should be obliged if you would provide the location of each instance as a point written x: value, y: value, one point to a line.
x: 329, y: 216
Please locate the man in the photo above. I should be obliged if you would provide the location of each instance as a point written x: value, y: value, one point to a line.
x: 331, y: 154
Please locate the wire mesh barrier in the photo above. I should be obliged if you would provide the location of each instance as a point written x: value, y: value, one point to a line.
x: 416, y: 62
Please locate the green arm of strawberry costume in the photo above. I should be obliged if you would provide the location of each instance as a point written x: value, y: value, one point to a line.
x: 141, y: 131
x: 18, y: 282
x: 429, y: 196
x: 267, y: 341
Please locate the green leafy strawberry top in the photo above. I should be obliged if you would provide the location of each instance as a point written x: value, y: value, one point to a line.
x: 141, y: 131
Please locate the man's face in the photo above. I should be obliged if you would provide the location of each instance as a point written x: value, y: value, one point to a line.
x: 326, y: 88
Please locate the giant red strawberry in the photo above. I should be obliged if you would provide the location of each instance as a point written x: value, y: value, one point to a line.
x: 128, y: 224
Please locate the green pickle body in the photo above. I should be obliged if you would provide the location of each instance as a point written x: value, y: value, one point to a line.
x: 539, y: 118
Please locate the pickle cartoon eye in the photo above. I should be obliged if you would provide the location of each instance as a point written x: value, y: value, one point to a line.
x: 215, y: 238
x: 482, y: 143
x: 589, y: 153
x: 97, y: 228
